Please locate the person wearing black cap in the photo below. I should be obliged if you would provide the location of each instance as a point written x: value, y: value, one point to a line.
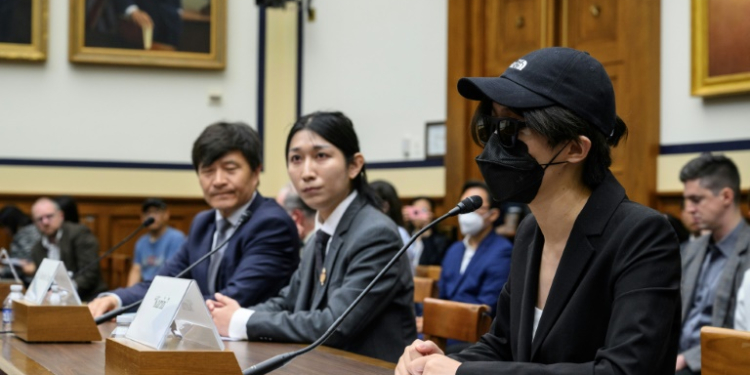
x: 594, y: 286
x: 152, y: 250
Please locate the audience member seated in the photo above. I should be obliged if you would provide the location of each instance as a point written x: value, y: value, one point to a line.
x: 152, y: 250
x: 475, y: 269
x: 430, y: 247
x: 354, y: 240
x: 69, y: 208
x: 302, y: 215
x: 510, y: 216
x: 262, y: 252
x: 22, y: 230
x: 714, y: 264
x: 391, y: 206
x: 682, y: 233
x: 71, y: 243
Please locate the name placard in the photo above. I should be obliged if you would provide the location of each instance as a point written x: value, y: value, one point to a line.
x: 174, y: 316
x: 49, y: 272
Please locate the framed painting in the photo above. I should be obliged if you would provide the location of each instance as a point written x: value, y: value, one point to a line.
x: 720, y: 47
x: 163, y: 33
x: 23, y: 29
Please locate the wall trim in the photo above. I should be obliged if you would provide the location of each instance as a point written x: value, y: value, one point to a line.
x: 428, y: 163
x: 94, y: 164
x: 688, y: 148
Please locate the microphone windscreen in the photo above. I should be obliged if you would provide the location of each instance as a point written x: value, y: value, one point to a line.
x: 148, y: 221
x: 470, y: 204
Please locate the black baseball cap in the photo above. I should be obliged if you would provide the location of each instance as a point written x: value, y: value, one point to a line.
x: 153, y: 202
x: 551, y: 76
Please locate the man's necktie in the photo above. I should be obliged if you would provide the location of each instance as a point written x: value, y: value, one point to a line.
x: 321, y: 242
x: 222, y: 227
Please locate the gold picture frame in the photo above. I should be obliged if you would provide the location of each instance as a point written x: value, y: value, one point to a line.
x: 720, y: 63
x: 36, y: 49
x: 90, y: 45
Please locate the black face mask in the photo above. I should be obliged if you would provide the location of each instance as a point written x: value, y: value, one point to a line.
x: 510, y: 172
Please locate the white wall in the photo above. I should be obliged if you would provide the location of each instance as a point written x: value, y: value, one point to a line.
x: 384, y: 64
x: 686, y: 119
x: 62, y: 111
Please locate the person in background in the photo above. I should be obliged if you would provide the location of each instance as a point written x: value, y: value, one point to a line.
x: 712, y: 265
x: 154, y: 249
x: 691, y: 224
x: 430, y: 247
x: 22, y: 229
x: 69, y: 208
x: 682, y: 233
x: 391, y: 206
x: 475, y: 269
x: 354, y: 240
x: 594, y: 284
x: 71, y: 243
x: 259, y: 254
x: 302, y: 215
x: 510, y: 216
x: 742, y: 312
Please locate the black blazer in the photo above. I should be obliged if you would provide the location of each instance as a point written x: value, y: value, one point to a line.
x: 434, y: 249
x: 614, y: 304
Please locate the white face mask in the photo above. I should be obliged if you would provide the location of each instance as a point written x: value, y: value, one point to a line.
x: 470, y: 224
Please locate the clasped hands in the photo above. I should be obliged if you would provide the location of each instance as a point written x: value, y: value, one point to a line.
x: 425, y: 357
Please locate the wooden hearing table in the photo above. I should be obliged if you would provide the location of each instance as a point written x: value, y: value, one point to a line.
x: 19, y: 357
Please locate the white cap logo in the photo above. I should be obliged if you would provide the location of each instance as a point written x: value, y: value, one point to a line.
x: 518, y: 64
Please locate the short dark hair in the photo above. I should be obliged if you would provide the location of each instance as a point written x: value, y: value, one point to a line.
x: 337, y: 129
x: 13, y: 218
x: 480, y: 184
x: 560, y: 125
x: 69, y: 207
x: 715, y: 173
x: 153, y: 202
x: 223, y: 137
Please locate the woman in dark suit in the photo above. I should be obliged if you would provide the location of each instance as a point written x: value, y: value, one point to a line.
x: 594, y: 286
x: 354, y: 240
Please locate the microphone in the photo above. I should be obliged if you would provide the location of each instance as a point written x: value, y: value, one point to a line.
x: 467, y: 205
x: 107, y: 316
x: 144, y: 224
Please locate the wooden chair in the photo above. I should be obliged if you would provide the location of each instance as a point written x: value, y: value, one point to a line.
x: 433, y: 272
x: 724, y: 351
x: 424, y: 287
x: 454, y: 320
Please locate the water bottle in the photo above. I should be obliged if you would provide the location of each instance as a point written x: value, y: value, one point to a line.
x: 15, y: 294
x: 54, y: 296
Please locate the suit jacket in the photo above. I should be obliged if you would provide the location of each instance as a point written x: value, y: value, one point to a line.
x: 258, y: 261
x: 726, y: 288
x: 614, y: 304
x: 381, y: 325
x: 164, y: 13
x: 484, y: 276
x: 78, y: 248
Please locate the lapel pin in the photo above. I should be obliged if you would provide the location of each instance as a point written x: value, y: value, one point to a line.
x: 323, y: 276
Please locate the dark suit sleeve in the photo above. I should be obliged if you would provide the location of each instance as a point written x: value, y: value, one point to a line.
x: 366, y: 253
x: 121, y: 5
x: 268, y: 258
x: 86, y: 247
x: 645, y: 279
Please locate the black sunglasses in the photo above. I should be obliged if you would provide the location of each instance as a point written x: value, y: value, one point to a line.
x: 483, y: 125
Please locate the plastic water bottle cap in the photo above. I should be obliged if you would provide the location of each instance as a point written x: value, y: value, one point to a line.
x: 125, y: 318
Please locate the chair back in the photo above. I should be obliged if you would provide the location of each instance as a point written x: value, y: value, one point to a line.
x: 454, y: 320
x: 433, y: 272
x: 424, y: 287
x: 724, y: 351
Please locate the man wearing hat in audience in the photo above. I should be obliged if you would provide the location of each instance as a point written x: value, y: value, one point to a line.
x: 153, y: 249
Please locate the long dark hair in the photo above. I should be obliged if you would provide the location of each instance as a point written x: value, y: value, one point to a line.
x: 388, y: 194
x: 337, y: 129
x: 13, y: 218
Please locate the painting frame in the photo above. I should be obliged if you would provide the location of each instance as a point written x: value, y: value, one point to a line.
x: 703, y: 84
x: 79, y: 53
x: 37, y: 49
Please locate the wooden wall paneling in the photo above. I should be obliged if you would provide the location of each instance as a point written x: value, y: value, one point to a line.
x: 593, y: 26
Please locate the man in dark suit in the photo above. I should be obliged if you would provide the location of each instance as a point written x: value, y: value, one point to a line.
x: 73, y: 244
x: 713, y: 264
x: 262, y: 252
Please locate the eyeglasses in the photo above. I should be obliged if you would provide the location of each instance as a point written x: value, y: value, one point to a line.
x: 483, y: 125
